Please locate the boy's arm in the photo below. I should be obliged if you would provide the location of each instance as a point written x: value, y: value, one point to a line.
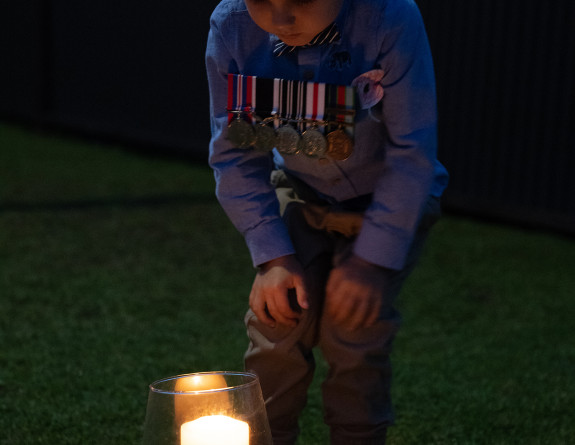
x: 244, y: 190
x: 409, y: 116
x: 242, y: 176
x: 356, y: 288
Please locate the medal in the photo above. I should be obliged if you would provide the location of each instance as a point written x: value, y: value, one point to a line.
x: 339, y: 145
x: 241, y: 103
x: 266, y: 138
x: 340, y: 110
x: 287, y: 140
x: 312, y: 142
x: 303, y: 114
x: 285, y: 106
x: 240, y: 133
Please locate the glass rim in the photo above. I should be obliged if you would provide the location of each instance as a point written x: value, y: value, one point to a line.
x: 254, y: 380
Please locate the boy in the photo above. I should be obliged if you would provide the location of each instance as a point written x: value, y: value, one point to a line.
x: 356, y: 202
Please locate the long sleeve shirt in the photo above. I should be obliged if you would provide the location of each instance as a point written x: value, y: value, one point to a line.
x: 395, y: 143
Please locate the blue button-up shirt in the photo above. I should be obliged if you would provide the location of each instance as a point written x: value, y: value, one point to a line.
x: 395, y: 142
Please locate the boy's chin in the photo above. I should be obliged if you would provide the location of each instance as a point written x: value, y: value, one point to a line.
x: 295, y: 39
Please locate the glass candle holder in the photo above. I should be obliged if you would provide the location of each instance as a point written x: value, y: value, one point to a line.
x: 207, y: 408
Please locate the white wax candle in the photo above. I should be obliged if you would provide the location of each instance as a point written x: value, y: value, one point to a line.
x: 215, y: 430
x: 191, y: 406
x: 201, y: 382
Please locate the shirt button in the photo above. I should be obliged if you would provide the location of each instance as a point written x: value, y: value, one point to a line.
x: 308, y: 75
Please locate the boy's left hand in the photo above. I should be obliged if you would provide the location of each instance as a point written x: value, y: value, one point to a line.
x: 354, y: 293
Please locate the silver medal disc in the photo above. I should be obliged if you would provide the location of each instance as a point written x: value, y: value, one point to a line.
x: 287, y: 140
x: 265, y: 138
x: 241, y: 134
x: 313, y: 143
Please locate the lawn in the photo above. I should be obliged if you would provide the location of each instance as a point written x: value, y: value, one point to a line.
x: 117, y: 269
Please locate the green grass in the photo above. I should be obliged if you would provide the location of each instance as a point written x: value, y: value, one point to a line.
x: 118, y: 269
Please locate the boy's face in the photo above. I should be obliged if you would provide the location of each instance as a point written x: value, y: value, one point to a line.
x: 295, y: 22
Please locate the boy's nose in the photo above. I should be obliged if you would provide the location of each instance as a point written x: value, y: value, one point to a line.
x: 283, y: 15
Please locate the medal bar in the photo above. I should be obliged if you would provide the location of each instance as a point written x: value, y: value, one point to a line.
x: 295, y: 117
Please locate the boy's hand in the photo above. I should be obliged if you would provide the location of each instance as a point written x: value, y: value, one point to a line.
x: 269, y: 296
x: 354, y: 293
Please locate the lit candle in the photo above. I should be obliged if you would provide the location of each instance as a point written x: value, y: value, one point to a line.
x: 209, y: 397
x: 215, y: 430
x: 201, y: 382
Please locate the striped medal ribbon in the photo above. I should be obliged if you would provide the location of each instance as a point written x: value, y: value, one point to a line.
x: 291, y: 115
x: 340, y: 112
x: 287, y: 106
x: 241, y: 104
x: 313, y: 142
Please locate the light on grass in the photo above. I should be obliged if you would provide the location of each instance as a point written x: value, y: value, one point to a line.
x: 213, y: 408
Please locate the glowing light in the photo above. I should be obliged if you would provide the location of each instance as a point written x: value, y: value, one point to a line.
x: 215, y: 430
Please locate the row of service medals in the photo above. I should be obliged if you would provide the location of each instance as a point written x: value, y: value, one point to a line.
x: 296, y: 123
x: 283, y: 134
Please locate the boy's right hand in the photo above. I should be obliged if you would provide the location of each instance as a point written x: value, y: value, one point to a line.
x: 269, y: 296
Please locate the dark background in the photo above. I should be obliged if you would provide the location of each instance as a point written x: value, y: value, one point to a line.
x: 132, y: 72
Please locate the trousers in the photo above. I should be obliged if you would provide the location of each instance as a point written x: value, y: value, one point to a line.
x: 356, y: 393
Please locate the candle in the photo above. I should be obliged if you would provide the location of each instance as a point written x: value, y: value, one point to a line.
x: 215, y: 430
x: 201, y: 382
x: 200, y: 395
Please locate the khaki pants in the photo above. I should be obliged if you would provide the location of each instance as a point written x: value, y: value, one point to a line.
x: 356, y: 393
